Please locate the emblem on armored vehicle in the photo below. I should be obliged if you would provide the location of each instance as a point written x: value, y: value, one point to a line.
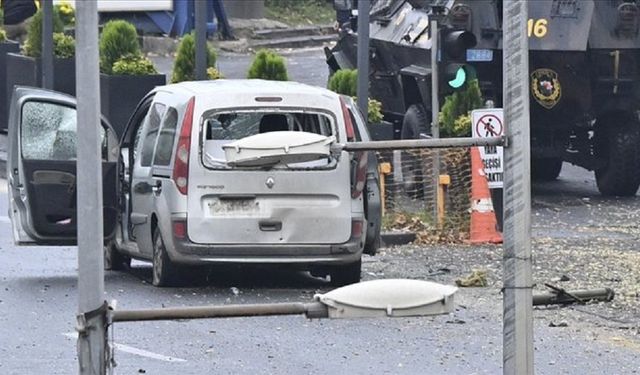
x: 545, y: 87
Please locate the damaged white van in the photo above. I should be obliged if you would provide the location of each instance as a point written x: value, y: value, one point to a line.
x: 234, y: 171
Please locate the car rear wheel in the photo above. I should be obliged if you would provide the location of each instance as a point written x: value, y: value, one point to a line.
x: 346, y: 274
x: 115, y: 260
x: 164, y: 271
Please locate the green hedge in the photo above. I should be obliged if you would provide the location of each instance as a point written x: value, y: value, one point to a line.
x: 184, y: 67
x: 268, y: 65
x: 33, y: 44
x: 119, y: 38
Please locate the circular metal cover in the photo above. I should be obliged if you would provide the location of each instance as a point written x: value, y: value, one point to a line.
x: 388, y: 293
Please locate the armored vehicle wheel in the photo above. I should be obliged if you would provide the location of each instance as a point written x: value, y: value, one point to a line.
x: 545, y: 169
x: 115, y: 260
x: 164, y: 271
x: 621, y: 174
x: 346, y: 274
x: 414, y: 124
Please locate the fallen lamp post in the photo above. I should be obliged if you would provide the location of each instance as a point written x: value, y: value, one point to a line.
x: 560, y: 296
x: 370, y: 299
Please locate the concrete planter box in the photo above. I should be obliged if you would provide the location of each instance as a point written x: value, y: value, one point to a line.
x: 5, y: 48
x: 119, y: 96
x: 26, y: 71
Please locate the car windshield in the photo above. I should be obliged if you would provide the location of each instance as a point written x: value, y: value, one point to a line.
x: 222, y: 128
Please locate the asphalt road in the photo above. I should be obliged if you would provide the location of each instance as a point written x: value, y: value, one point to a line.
x: 38, y: 301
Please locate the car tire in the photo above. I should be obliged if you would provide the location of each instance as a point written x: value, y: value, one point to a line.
x: 545, y: 169
x: 164, y: 271
x: 346, y: 274
x: 621, y: 150
x: 373, y: 214
x: 114, y: 260
x: 414, y: 124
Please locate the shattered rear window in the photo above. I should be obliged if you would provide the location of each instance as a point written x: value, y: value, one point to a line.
x: 221, y: 128
x: 48, y: 132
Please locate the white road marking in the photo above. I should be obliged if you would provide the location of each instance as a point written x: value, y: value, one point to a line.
x: 135, y: 351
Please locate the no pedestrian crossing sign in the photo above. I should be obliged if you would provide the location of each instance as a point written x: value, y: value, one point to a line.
x: 487, y: 123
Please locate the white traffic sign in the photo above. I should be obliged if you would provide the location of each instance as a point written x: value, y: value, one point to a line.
x: 487, y: 123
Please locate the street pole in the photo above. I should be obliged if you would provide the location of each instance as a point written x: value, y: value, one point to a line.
x: 46, y: 59
x: 517, y: 340
x: 435, y: 110
x: 91, y: 305
x: 201, y: 40
x: 363, y: 58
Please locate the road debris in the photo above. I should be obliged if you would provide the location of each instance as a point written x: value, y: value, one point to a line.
x: 477, y: 278
x: 561, y: 296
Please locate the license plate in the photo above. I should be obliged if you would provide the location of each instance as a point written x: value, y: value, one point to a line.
x: 240, y: 206
x: 479, y: 55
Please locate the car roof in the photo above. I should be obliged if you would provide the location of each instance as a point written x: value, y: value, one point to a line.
x: 244, y: 86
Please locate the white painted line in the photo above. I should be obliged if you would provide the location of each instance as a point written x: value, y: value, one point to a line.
x: 4, y: 219
x: 134, y: 351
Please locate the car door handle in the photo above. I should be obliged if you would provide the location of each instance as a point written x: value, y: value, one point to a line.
x: 157, y: 188
x: 270, y: 225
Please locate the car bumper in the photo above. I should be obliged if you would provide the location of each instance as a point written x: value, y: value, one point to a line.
x: 187, y: 252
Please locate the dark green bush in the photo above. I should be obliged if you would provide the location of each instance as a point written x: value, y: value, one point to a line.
x: 184, y: 67
x: 64, y: 46
x: 268, y: 65
x: 213, y: 73
x: 119, y: 38
x: 345, y: 82
x: 133, y: 65
x: 33, y: 44
x: 455, y: 115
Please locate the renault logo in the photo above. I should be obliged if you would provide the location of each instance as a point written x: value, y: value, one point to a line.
x: 270, y: 182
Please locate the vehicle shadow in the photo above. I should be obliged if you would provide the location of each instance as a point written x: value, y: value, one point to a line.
x: 245, y: 277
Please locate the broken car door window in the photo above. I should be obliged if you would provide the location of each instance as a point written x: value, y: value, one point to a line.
x: 49, y: 132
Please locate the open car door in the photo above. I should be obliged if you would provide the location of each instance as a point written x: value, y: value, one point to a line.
x: 41, y: 168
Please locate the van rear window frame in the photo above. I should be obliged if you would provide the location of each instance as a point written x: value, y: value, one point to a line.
x: 273, y: 109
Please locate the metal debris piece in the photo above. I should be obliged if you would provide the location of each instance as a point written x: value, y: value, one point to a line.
x: 561, y: 296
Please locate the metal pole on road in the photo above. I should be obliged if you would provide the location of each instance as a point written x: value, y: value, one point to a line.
x: 517, y: 340
x: 46, y: 59
x: 435, y: 111
x: 363, y: 58
x: 201, y: 40
x: 91, y: 316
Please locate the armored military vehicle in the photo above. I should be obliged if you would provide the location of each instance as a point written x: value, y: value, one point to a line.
x: 584, y: 76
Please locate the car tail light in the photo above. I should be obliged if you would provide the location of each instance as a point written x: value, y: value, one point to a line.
x: 180, y: 229
x: 356, y: 228
x: 181, y: 162
x: 347, y: 121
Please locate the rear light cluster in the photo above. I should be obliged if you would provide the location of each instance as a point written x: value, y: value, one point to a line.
x: 359, y: 161
x: 181, y: 162
x: 357, y: 227
x: 348, y: 124
x: 180, y: 229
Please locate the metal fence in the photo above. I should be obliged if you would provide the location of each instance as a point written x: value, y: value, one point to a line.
x: 427, y: 191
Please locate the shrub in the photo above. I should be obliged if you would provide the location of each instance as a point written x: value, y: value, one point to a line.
x: 33, y: 44
x: 1, y: 17
x: 184, y: 67
x: 455, y: 114
x: 345, y: 82
x: 67, y: 13
x: 3, y: 36
x: 213, y: 73
x: 268, y: 65
x: 133, y: 65
x: 119, y: 38
x: 64, y: 46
